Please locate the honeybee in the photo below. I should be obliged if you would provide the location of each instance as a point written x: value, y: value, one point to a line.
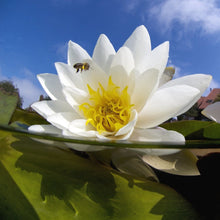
x: 81, y: 66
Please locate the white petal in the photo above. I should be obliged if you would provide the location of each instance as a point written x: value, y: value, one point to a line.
x: 131, y: 81
x: 62, y: 120
x: 181, y: 163
x: 119, y: 77
x: 199, y: 81
x: 157, y: 58
x: 74, y: 96
x: 158, y: 135
x: 48, y: 129
x: 167, y: 75
x: 144, y: 87
x: 164, y: 104
x: 94, y: 76
x: 121, y: 69
x: 80, y: 128
x: 47, y: 108
x: 213, y: 112
x: 123, y: 58
x: 139, y: 43
x: 129, y: 162
x: 51, y: 85
x: 76, y: 54
x: 103, y: 53
x: 68, y: 76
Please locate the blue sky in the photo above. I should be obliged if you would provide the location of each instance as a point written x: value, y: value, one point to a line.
x: 34, y: 34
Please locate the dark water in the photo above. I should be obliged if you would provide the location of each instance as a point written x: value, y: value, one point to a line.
x: 202, y: 191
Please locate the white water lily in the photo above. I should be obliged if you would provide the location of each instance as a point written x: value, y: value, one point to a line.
x: 213, y: 112
x: 120, y: 95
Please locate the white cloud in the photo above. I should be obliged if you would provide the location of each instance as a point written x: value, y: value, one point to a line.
x: 197, y: 14
x: 131, y: 5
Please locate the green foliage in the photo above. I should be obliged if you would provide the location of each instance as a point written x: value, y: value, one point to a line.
x: 27, y: 117
x: 194, y: 112
x: 10, y: 114
x: 8, y: 87
x: 39, y: 181
x: 217, y: 99
x: 7, y: 106
x: 195, y: 130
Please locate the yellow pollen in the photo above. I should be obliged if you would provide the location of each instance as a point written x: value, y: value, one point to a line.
x: 107, y: 110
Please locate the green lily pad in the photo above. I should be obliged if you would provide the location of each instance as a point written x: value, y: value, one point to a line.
x: 27, y: 118
x: 39, y: 181
x: 212, y: 131
x: 195, y: 130
x: 8, y: 104
x: 186, y: 128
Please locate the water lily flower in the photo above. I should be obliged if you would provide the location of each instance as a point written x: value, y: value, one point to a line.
x: 121, y: 95
x: 213, y: 112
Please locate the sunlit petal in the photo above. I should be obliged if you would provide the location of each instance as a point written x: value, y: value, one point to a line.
x: 47, y: 108
x: 76, y: 54
x: 157, y: 59
x: 165, y: 104
x: 68, y: 76
x: 123, y: 58
x: 139, y: 43
x: 157, y: 135
x: 94, y: 76
x: 103, y: 53
x: 63, y: 119
x: 80, y: 128
x: 51, y: 85
x: 199, y: 81
x: 145, y: 85
x: 74, y: 96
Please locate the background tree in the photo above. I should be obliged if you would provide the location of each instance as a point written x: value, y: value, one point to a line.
x: 193, y: 113
x: 217, y: 99
x: 42, y: 97
x: 8, y: 87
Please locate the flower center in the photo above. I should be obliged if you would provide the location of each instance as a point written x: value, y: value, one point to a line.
x: 107, y: 110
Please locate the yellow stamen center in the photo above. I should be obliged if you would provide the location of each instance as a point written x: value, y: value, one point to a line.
x: 107, y: 110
